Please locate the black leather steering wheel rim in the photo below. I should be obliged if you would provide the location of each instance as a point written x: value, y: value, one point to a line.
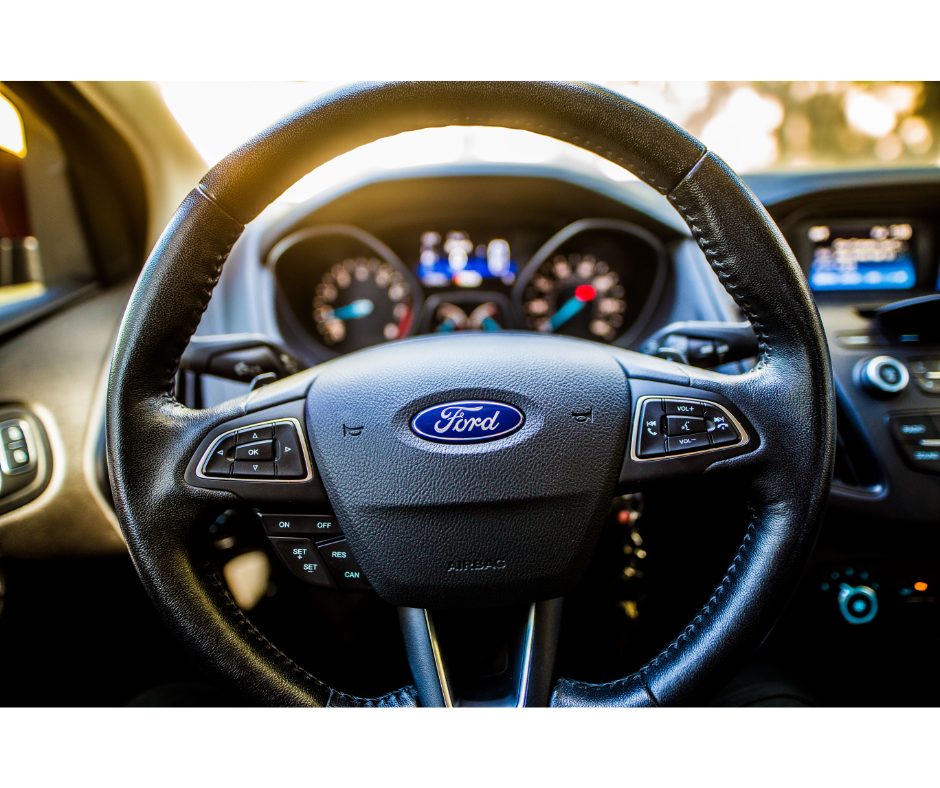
x: 788, y: 395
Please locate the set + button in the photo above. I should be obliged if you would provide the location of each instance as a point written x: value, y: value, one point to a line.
x: 303, y: 560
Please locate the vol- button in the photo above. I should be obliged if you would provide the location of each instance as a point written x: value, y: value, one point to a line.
x: 685, y: 443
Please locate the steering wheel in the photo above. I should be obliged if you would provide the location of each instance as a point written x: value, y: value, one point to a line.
x: 470, y: 472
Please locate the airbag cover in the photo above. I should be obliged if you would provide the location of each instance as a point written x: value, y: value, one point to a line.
x: 491, y: 521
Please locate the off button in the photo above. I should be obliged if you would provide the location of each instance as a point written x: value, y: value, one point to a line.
x: 300, y: 524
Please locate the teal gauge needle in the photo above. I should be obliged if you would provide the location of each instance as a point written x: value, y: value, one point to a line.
x: 361, y: 307
x: 583, y: 295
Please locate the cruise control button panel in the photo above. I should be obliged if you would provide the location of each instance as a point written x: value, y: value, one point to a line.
x: 266, y: 451
x: 671, y: 426
x: 312, y: 548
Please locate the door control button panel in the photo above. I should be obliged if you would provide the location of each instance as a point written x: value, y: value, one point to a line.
x: 671, y: 426
x: 16, y: 454
x: 272, y: 450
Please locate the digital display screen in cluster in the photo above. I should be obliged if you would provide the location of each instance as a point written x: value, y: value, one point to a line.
x: 862, y: 256
x: 454, y: 259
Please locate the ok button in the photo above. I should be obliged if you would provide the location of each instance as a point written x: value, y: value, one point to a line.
x: 259, y: 450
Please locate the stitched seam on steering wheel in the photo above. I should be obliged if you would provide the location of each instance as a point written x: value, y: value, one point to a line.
x: 729, y: 280
x: 196, y: 314
x: 391, y: 699
x: 720, y: 591
x: 705, y: 612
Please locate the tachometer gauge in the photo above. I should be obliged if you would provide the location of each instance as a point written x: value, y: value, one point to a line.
x: 575, y: 294
x: 362, y: 301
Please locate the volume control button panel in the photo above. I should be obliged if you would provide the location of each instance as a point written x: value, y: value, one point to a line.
x: 668, y: 427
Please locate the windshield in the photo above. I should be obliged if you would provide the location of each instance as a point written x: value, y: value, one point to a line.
x: 755, y: 126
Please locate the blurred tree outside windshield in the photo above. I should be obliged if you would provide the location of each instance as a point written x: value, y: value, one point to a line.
x: 754, y: 126
x: 804, y: 125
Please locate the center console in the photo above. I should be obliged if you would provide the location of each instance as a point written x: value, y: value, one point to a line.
x: 876, y: 282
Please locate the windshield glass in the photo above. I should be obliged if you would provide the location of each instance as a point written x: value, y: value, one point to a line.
x: 755, y: 126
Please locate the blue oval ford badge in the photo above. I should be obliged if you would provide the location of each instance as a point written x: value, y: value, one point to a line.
x: 471, y: 421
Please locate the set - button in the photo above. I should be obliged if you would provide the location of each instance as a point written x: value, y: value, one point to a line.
x: 260, y: 451
x: 671, y: 425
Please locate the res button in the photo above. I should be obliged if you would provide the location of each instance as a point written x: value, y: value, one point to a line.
x: 343, y: 566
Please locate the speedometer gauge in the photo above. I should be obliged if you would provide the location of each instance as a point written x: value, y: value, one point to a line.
x: 575, y: 294
x: 362, y: 301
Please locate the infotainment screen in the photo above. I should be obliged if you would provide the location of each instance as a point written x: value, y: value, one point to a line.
x: 862, y: 256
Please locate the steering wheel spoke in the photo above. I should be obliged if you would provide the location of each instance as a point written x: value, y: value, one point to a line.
x: 501, y: 657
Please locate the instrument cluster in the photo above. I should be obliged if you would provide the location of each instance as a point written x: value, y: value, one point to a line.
x: 342, y: 288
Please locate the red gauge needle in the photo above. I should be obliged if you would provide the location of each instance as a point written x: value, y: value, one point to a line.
x: 583, y: 295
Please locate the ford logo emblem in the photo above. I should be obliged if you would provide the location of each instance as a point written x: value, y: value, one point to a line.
x: 471, y: 421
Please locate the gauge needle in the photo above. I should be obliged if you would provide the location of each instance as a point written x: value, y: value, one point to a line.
x: 583, y: 295
x: 361, y: 307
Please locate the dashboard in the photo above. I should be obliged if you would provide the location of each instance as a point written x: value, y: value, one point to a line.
x: 498, y: 253
x: 347, y: 289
